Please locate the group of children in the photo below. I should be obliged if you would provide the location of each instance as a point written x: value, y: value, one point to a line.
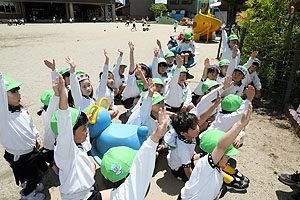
x: 212, y: 117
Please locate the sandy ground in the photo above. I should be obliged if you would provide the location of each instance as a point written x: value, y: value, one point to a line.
x: 269, y: 149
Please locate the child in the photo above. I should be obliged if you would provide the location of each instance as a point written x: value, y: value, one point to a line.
x: 187, y: 47
x: 133, y: 24
x: 65, y: 72
x: 21, y: 140
x: 228, y: 44
x: 175, y: 25
x: 169, y: 57
x: 81, y: 88
x: 207, y: 178
x: 182, y: 159
x: 105, y: 88
x: 159, y: 67
x: 132, y: 90
x: 223, y: 64
x: 233, y: 107
x: 210, y: 72
x: 252, y: 77
x: 119, y: 77
x: 178, y: 93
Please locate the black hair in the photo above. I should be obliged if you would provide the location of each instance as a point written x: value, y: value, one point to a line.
x: 146, y: 69
x: 14, y: 108
x: 163, y: 63
x: 44, y: 108
x: 100, y: 75
x: 211, y: 70
x: 183, y: 121
x: 65, y: 75
x: 229, y: 42
x: 82, y: 120
x: 255, y: 63
x: 239, y: 71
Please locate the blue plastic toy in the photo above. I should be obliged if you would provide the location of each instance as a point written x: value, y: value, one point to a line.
x: 107, y: 135
x: 191, y: 63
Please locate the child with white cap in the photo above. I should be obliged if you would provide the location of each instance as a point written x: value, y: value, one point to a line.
x: 119, y: 77
x: 252, y: 77
x: 105, y: 89
x: 135, y: 82
x: 207, y: 178
x: 178, y: 93
x: 21, y: 140
x: 169, y: 57
x: 228, y: 44
x: 223, y: 64
x: 81, y: 89
x: 159, y: 67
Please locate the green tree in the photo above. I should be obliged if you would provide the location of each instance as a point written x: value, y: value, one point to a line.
x: 232, y: 9
x: 158, y: 8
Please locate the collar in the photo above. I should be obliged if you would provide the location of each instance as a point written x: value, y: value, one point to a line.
x: 183, y: 139
x: 239, y: 84
x: 79, y: 146
x: 14, y: 108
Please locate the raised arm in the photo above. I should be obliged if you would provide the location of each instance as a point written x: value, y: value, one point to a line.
x: 74, y: 83
x: 224, y: 36
x: 206, y: 65
x: 230, y: 136
x: 3, y: 102
x: 145, y: 110
x: 54, y: 71
x: 131, y: 48
x: 115, y: 70
x: 161, y: 52
x: 174, y: 81
x: 251, y: 59
x: 155, y: 73
x: 101, y: 89
x: 233, y: 61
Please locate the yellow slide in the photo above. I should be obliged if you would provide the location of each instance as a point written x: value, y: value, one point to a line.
x: 204, y: 25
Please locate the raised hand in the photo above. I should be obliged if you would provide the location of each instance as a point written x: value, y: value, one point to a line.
x: 254, y: 54
x: 155, y: 51
x: 179, y: 61
x: 50, y: 65
x: 55, y: 87
x: 161, y: 125
x: 72, y: 64
x: 121, y: 52
x: 227, y: 82
x: 219, y: 98
x: 158, y: 43
x: 223, y: 26
x: 206, y: 62
x: 235, y: 51
x: 151, y: 87
x: 250, y: 92
x: 106, y: 57
x: 131, y: 46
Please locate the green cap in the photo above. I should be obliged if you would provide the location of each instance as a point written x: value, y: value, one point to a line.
x: 233, y: 37
x: 231, y: 103
x: 210, y: 139
x: 187, y: 35
x: 46, y: 96
x: 224, y: 62
x: 140, y: 84
x: 242, y: 69
x: 64, y: 70
x: 121, y: 64
x: 116, y: 163
x: 184, y: 69
x: 81, y: 75
x: 74, y: 114
x: 157, y: 81
x: 10, y: 83
x: 169, y: 54
x: 209, y: 84
x: 155, y: 99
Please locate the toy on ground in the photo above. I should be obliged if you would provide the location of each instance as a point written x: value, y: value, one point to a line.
x: 184, y: 21
x: 191, y: 63
x: 107, y: 135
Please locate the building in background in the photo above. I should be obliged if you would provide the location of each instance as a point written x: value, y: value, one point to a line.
x: 136, y: 9
x: 45, y: 10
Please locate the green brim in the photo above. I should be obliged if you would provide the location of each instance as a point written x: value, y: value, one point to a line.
x: 157, y: 99
x: 157, y: 81
x: 13, y: 85
x: 46, y: 96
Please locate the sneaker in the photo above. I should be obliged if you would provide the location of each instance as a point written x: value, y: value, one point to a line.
x: 33, y: 196
x: 290, y: 179
x: 39, y: 186
x: 237, y: 185
x: 241, y: 176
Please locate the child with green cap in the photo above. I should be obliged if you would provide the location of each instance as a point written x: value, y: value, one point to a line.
x: 135, y: 83
x: 210, y: 72
x: 21, y: 140
x: 207, y: 178
x: 187, y: 47
x: 169, y: 57
x: 228, y: 44
x: 159, y: 67
x: 119, y: 77
x: 223, y: 64
x: 105, y: 88
x: 65, y: 72
x: 178, y: 93
x: 81, y: 94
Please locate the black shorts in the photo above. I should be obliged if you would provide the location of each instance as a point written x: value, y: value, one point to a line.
x: 180, y: 174
x: 128, y: 103
x: 96, y: 195
x: 133, y: 25
x: 173, y: 109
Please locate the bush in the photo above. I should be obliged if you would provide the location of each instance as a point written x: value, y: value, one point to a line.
x: 159, y: 8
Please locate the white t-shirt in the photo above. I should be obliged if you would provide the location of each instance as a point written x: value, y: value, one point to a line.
x: 205, y: 182
x: 118, y: 79
x: 182, y: 155
x: 131, y: 90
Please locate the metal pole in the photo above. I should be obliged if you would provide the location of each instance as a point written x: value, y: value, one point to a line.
x: 242, y: 40
x: 293, y: 72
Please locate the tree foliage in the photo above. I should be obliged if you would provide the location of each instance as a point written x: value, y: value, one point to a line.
x: 159, y: 8
x: 273, y: 32
x: 232, y: 9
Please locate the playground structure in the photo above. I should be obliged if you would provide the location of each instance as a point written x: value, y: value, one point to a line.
x: 205, y: 23
x: 106, y: 135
